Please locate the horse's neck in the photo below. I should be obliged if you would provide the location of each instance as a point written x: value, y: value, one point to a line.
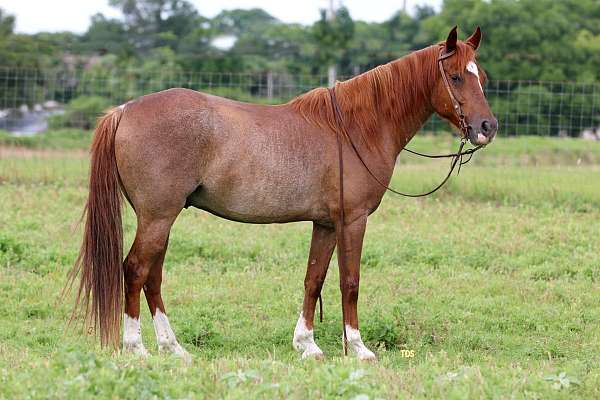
x: 392, y: 137
x: 401, y: 104
x: 391, y: 140
x: 395, y: 139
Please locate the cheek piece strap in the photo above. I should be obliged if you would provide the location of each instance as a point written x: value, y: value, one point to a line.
x: 462, y: 123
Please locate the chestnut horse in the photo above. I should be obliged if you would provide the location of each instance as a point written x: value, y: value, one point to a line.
x: 259, y: 164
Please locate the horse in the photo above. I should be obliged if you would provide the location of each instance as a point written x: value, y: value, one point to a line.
x: 260, y: 164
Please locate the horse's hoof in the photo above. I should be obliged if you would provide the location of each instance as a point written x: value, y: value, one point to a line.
x: 315, y: 355
x: 364, y: 354
x: 186, y: 358
x: 370, y: 358
x: 138, y: 349
x: 175, y: 349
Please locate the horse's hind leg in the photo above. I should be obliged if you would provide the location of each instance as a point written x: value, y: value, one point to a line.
x: 167, y: 342
x: 143, y: 267
x: 321, y: 249
x: 147, y: 249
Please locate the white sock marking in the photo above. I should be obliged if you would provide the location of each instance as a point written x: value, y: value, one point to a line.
x: 304, y: 340
x: 356, y: 344
x: 472, y: 68
x: 166, y: 338
x: 132, y: 336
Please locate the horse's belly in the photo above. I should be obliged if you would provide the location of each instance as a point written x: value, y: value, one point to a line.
x: 259, y: 204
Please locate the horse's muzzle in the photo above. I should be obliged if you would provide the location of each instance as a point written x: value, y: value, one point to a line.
x: 483, y: 130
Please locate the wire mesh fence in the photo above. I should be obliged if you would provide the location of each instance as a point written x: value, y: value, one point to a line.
x: 33, y: 101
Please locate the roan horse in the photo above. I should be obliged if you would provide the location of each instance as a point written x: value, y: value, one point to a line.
x: 259, y: 164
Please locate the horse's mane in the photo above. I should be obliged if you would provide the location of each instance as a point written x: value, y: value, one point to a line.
x: 393, y: 91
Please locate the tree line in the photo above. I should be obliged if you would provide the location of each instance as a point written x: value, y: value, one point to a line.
x: 525, y: 39
x: 538, y: 40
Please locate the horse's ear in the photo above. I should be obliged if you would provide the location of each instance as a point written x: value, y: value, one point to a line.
x: 475, y: 39
x: 451, y: 41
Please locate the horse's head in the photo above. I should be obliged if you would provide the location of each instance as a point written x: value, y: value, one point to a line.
x: 460, y: 95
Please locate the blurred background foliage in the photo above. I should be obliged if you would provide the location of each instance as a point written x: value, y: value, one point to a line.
x: 541, y: 40
x: 525, y: 39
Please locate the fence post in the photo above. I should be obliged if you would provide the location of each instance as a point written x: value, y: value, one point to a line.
x: 270, y: 85
x: 594, y: 119
x: 331, y: 75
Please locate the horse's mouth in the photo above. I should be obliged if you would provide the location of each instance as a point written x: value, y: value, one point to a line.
x: 475, y: 136
x: 479, y: 139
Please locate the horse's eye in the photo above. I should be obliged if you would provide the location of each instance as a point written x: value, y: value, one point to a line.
x: 456, y: 78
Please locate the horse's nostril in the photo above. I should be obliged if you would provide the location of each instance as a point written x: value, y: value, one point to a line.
x: 486, y: 126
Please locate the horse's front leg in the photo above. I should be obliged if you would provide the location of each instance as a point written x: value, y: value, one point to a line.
x: 321, y: 249
x: 349, y: 284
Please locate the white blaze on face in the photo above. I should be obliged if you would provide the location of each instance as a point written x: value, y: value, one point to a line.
x: 356, y: 344
x: 304, y: 340
x: 132, y: 336
x: 166, y: 338
x: 472, y: 68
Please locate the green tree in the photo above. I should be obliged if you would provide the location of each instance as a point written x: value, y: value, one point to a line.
x: 333, y: 36
x: 238, y: 22
x: 526, y: 39
x: 156, y: 23
x: 378, y: 43
x: 23, y: 61
x: 370, y: 46
x: 106, y: 35
x: 7, y: 24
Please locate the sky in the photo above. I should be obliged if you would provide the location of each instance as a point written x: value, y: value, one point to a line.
x: 74, y: 15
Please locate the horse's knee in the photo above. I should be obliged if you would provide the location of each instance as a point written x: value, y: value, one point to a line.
x: 136, y: 273
x: 313, y: 286
x: 350, y: 286
x: 141, y: 258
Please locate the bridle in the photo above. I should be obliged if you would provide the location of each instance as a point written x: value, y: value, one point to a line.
x: 457, y: 160
x: 462, y: 123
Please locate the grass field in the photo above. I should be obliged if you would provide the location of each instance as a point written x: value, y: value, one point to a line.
x: 494, y: 284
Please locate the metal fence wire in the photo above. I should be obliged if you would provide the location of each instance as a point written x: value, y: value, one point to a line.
x: 33, y: 101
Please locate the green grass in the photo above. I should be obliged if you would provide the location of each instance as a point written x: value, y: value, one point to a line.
x: 494, y: 283
x: 522, y: 150
x: 55, y: 139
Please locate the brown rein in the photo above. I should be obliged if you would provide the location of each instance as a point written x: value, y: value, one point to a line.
x: 457, y: 159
